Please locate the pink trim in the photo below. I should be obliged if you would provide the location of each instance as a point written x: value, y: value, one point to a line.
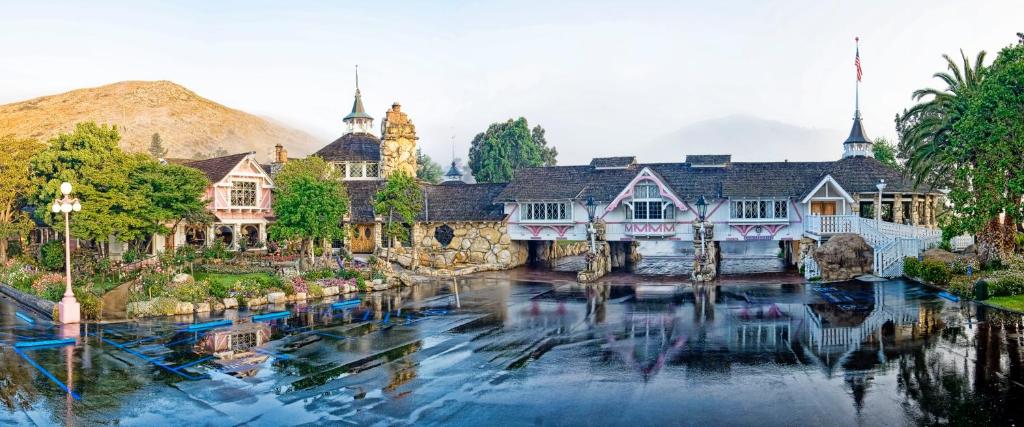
x: 743, y: 229
x: 719, y: 205
x: 662, y: 189
x: 774, y: 228
x: 650, y: 228
x: 797, y: 210
x: 534, y: 229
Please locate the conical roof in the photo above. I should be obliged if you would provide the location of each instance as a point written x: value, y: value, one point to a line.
x: 358, y: 112
x: 453, y: 171
x: 857, y: 134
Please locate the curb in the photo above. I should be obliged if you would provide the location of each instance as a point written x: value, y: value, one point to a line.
x: 36, y: 304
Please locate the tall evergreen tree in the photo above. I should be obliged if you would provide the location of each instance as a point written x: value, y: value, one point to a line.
x: 156, y: 146
x: 427, y: 169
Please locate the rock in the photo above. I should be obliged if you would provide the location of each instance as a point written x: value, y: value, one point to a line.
x: 230, y: 303
x: 139, y: 308
x: 184, y: 308
x: 300, y: 296
x: 202, y: 307
x: 330, y: 291
x: 971, y: 251
x: 844, y: 257
x: 217, y: 306
x: 276, y: 297
x: 505, y: 239
x: 504, y: 257
x: 258, y: 301
x: 491, y: 235
x: 381, y: 287
x: 942, y: 255
x: 181, y: 278
x: 480, y: 245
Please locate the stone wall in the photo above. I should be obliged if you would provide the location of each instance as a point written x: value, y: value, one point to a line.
x: 474, y: 243
x: 398, y: 145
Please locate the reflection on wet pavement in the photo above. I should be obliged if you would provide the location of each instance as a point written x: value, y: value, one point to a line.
x: 529, y: 353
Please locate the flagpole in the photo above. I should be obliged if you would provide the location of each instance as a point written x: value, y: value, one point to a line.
x: 856, y: 107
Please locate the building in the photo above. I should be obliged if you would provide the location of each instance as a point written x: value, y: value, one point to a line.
x: 240, y: 197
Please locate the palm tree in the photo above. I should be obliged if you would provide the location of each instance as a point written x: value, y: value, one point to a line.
x: 924, y: 129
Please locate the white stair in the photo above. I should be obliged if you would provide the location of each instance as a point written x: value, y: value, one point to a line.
x: 892, y: 242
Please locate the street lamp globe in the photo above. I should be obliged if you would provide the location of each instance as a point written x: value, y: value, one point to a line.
x: 65, y: 188
x: 56, y: 207
x: 591, y: 207
x: 76, y: 206
x: 880, y: 185
x: 702, y: 207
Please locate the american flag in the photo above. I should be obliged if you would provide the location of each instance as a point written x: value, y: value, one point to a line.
x: 856, y: 62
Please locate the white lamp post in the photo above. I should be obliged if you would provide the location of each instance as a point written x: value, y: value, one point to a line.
x: 591, y: 211
x: 878, y: 209
x: 68, y: 310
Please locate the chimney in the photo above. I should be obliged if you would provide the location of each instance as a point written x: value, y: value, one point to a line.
x: 280, y: 154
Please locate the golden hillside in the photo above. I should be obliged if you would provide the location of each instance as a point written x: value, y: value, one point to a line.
x: 187, y: 123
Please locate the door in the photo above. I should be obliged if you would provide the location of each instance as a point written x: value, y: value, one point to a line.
x: 823, y: 208
x: 362, y: 238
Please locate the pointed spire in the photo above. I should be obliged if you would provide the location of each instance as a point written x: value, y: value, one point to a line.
x: 857, y: 144
x: 358, y: 111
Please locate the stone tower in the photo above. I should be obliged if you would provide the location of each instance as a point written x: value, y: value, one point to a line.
x: 398, y: 143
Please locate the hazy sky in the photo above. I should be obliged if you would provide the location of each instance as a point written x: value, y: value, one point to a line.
x: 602, y: 77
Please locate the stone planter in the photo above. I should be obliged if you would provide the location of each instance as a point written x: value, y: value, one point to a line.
x: 276, y: 298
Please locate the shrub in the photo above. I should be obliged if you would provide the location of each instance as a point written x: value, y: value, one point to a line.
x: 42, y: 283
x: 191, y: 291
x: 220, y: 290
x: 51, y: 255
x: 249, y: 288
x: 155, y: 284
x: 216, y: 251
x: 323, y: 273
x: 131, y: 255
x: 911, y: 267
x: 1007, y: 285
x: 91, y: 305
x: 315, y: 291
x: 962, y: 286
x: 936, y: 272
x: 361, y: 284
x: 298, y: 285
x: 377, y: 275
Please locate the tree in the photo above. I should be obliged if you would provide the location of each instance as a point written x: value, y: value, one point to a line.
x: 505, y: 147
x: 309, y: 203
x: 176, y: 193
x: 924, y: 129
x: 219, y: 152
x: 885, y: 152
x: 985, y: 145
x: 398, y: 202
x: 427, y: 169
x: 156, y: 147
x: 15, y: 186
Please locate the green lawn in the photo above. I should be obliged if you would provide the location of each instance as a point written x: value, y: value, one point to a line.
x: 229, y: 279
x: 1015, y: 302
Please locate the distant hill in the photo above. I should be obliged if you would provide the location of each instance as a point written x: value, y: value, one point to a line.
x: 748, y: 139
x: 187, y: 123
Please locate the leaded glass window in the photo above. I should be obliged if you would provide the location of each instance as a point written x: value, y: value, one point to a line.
x: 243, y: 193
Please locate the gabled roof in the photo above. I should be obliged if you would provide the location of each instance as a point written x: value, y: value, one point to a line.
x: 218, y: 167
x: 827, y: 180
x: 352, y: 147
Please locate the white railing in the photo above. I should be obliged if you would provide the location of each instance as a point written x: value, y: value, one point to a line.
x: 960, y: 243
x: 811, y: 268
x: 892, y: 242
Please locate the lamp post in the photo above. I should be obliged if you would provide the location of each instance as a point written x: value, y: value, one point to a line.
x: 591, y: 210
x: 68, y: 310
x: 702, y: 208
x: 878, y: 209
x: 702, y: 212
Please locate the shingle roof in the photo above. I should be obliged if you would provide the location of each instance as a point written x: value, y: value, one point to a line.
x: 359, y: 147
x: 218, y: 167
x: 466, y: 202
x: 857, y: 134
x: 613, y: 162
x: 761, y: 179
x: 360, y: 196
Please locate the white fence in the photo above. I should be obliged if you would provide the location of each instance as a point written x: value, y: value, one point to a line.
x: 892, y: 242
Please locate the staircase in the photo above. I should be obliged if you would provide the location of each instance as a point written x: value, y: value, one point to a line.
x: 892, y: 242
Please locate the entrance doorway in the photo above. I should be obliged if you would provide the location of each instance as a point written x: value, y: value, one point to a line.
x: 823, y: 208
x: 362, y: 238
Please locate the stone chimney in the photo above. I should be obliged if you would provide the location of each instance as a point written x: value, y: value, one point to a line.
x: 280, y: 154
x: 398, y: 144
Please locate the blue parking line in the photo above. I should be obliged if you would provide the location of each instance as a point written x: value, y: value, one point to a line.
x: 44, y: 343
x: 271, y: 316
x: 366, y: 315
x: 208, y: 325
x: 47, y: 373
x: 25, y: 318
x: 156, y: 362
x: 193, y: 363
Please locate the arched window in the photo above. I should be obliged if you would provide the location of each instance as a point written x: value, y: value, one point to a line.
x: 647, y: 204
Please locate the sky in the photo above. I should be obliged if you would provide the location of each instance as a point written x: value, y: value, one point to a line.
x: 603, y: 78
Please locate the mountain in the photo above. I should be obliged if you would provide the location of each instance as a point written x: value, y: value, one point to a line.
x: 187, y: 123
x: 748, y: 139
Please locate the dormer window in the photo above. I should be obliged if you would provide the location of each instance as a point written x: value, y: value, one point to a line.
x: 358, y: 170
x: 243, y: 193
x: 647, y: 204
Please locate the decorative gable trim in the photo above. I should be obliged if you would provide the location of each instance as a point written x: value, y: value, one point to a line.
x: 646, y: 174
x: 828, y: 180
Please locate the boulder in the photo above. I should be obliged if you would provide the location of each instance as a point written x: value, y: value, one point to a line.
x: 230, y: 303
x: 181, y: 278
x: 844, y: 257
x: 202, y: 307
x: 330, y: 291
x: 277, y: 298
x: 941, y: 255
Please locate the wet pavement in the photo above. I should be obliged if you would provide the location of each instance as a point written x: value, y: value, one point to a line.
x: 499, y: 351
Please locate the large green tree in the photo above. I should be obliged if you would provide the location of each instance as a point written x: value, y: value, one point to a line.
x: 398, y: 202
x: 885, y: 152
x: 427, y: 169
x: 506, y: 147
x: 129, y: 196
x: 925, y: 128
x: 15, y: 187
x: 309, y: 202
x: 986, y: 146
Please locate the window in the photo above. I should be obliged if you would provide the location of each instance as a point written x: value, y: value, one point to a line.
x: 648, y: 204
x: 355, y: 170
x: 552, y: 211
x: 243, y: 193
x: 372, y: 171
x: 759, y: 209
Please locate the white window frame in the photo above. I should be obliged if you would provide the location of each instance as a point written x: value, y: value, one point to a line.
x: 758, y: 209
x: 562, y: 212
x: 643, y: 197
x: 255, y: 197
